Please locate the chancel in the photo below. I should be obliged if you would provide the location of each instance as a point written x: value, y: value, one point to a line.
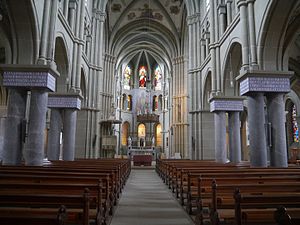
x: 195, y: 102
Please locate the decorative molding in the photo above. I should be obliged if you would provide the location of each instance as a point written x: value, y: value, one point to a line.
x: 264, y: 81
x: 65, y: 101
x: 226, y: 104
x: 29, y: 76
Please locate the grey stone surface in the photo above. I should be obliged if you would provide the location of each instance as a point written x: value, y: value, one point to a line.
x: 70, y: 117
x: 234, y: 137
x: 220, y: 137
x: 53, y: 150
x: 146, y: 200
x: 257, y: 136
x: 12, y: 138
x: 276, y: 111
x: 34, y: 150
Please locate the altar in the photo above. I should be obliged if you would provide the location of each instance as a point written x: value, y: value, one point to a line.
x: 142, y: 156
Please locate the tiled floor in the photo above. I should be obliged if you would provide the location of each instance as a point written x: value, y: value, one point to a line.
x: 147, y: 201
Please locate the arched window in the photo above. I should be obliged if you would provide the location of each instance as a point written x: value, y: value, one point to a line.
x: 157, y: 78
x: 158, y: 135
x: 295, y: 129
x: 142, y: 76
x: 125, y: 133
x: 129, y: 102
x: 127, y: 77
x: 141, y: 134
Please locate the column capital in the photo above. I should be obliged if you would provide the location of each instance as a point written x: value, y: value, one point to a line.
x: 264, y: 81
x: 222, y: 9
x: 226, y: 103
x: 241, y: 3
x: 73, y: 4
x: 250, y: 1
x: 65, y: 100
x: 29, y: 77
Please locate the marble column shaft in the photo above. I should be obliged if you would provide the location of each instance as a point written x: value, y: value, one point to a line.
x: 244, y: 32
x: 54, y: 134
x: 252, y: 33
x: 12, y: 139
x: 276, y: 115
x: 257, y: 136
x: 69, y: 132
x: 234, y: 137
x: 45, y: 30
x: 34, y: 151
x: 220, y: 137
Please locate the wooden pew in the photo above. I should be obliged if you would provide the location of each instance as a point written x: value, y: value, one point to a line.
x: 31, y: 209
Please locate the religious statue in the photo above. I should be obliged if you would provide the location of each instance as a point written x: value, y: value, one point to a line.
x: 153, y: 141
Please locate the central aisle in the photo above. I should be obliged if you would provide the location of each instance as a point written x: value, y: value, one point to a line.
x: 146, y: 200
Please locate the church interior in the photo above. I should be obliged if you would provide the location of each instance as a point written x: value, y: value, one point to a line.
x: 154, y: 112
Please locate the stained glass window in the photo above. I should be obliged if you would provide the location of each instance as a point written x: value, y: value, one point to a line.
x: 157, y: 78
x: 295, y: 125
x: 142, y: 77
x: 127, y: 77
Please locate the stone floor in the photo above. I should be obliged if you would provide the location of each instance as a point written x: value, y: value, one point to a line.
x: 147, y: 201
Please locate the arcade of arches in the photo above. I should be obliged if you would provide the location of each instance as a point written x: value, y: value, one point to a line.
x: 199, y: 79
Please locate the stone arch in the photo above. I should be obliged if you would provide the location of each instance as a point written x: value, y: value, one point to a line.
x: 62, y: 62
x: 273, y: 31
x: 231, y: 69
x: 125, y: 133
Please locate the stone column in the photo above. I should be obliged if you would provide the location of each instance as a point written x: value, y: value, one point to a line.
x: 257, y: 136
x: 54, y: 135
x: 244, y: 32
x: 69, y: 132
x: 252, y: 34
x: 73, y: 6
x: 254, y: 84
x: 34, y: 151
x: 220, y: 137
x: 222, y: 17
x: 234, y: 137
x: 276, y: 113
x: 69, y: 103
x: 39, y: 79
x: 66, y: 8
x: 229, y: 11
x: 13, y: 126
x: 233, y: 105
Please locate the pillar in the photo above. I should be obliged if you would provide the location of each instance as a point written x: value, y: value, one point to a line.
x: 34, y: 150
x: 252, y: 34
x: 222, y: 17
x: 54, y: 135
x: 234, y: 137
x: 276, y: 115
x: 229, y: 11
x: 73, y: 6
x: 244, y: 32
x: 12, y: 138
x: 257, y: 137
x: 220, y: 137
x: 69, y: 132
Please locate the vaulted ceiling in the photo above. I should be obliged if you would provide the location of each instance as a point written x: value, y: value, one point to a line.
x: 157, y: 27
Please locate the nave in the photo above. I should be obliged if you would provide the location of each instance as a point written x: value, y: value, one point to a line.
x: 146, y: 200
